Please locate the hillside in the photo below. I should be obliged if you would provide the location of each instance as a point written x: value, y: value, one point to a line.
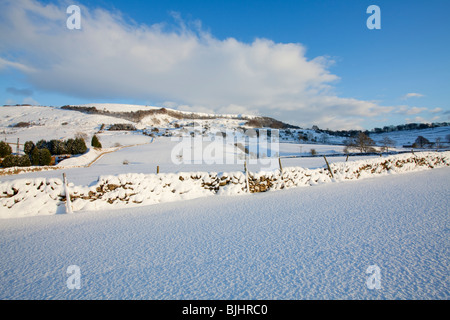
x: 41, y: 122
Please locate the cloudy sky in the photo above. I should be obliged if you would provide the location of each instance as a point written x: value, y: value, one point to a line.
x: 304, y: 62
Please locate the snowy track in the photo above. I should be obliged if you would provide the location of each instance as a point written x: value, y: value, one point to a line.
x: 302, y: 243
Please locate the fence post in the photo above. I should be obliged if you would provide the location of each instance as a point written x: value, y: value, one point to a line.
x: 157, y: 169
x: 347, y: 158
x: 67, y: 193
x: 17, y: 149
x: 281, y: 167
x: 246, y: 177
x: 329, y: 169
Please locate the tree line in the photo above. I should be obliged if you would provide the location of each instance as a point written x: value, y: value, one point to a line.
x: 40, y: 154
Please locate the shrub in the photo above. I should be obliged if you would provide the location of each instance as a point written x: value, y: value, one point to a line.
x: 95, y: 143
x: 16, y: 161
x: 22, y: 125
x: 76, y: 146
x: 24, y: 161
x: 42, y: 144
x: 5, y: 149
x: 45, y: 158
x: 69, y: 145
x: 57, y: 147
x: 35, y: 157
x: 79, y: 146
x: 122, y: 126
x: 28, y: 147
x: 313, y: 152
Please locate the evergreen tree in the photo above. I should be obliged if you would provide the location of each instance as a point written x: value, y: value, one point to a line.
x: 24, y: 161
x: 13, y: 160
x: 5, y: 149
x: 69, y: 145
x: 41, y: 144
x: 35, y: 157
x: 45, y: 158
x: 79, y: 146
x: 57, y: 147
x: 28, y: 147
x: 95, y: 142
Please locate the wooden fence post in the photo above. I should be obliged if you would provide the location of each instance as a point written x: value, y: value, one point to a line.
x: 328, y: 165
x: 157, y: 169
x: 281, y: 167
x: 67, y: 193
x: 246, y: 177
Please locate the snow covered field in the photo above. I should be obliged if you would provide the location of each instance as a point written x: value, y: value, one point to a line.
x: 301, y: 243
x: 296, y: 243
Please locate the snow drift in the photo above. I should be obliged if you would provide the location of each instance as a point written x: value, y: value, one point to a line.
x: 41, y: 196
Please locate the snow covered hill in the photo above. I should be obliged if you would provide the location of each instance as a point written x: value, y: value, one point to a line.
x: 40, y: 122
x: 36, y: 122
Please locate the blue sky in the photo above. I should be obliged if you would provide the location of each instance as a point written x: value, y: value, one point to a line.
x: 305, y: 62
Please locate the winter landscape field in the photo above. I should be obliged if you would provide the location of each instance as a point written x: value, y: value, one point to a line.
x: 224, y: 151
x: 181, y: 234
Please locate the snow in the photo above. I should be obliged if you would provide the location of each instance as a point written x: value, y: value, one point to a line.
x: 49, y: 123
x: 193, y: 232
x: 84, y: 159
x: 408, y: 137
x: 118, y: 107
x: 301, y: 243
x: 41, y: 196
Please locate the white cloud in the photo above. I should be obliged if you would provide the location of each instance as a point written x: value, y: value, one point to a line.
x: 422, y: 119
x: 16, y: 65
x: 412, y: 95
x: 112, y: 59
x: 407, y: 110
x: 436, y: 110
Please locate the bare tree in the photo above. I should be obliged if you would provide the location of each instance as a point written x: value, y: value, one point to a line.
x: 438, y: 142
x: 387, y: 142
x: 421, y: 141
x: 361, y: 142
x: 324, y: 138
